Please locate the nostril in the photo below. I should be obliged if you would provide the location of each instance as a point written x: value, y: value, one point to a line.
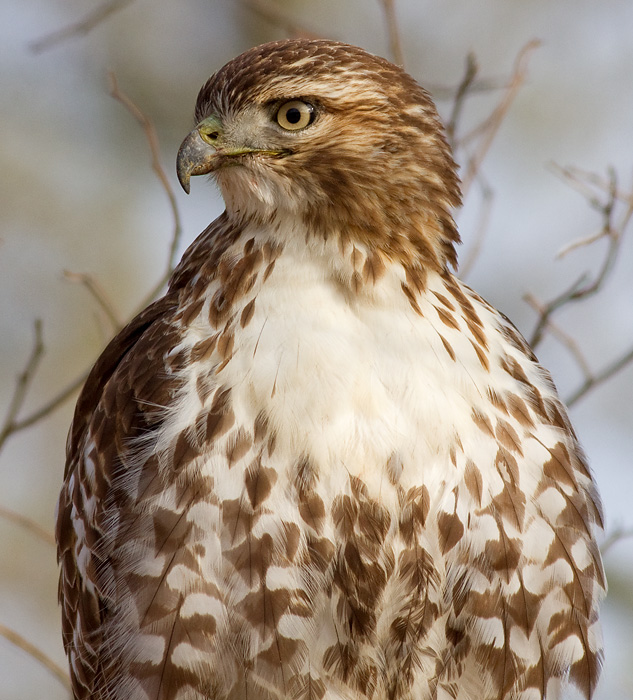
x: 211, y: 137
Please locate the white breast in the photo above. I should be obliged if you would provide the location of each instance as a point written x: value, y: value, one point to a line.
x: 353, y: 385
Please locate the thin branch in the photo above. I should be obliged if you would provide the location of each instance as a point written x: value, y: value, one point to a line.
x: 52, y: 405
x: 595, y: 379
x: 28, y: 524
x: 464, y: 89
x: 580, y: 243
x: 489, y: 128
x: 581, y: 288
x: 87, y: 24
x: 590, y: 379
x: 12, y: 423
x: 98, y: 294
x: 445, y: 93
x: 22, y: 385
x: 395, y: 44
x: 19, y: 641
x: 564, y: 338
x: 583, y: 180
x: 152, y: 140
x: 270, y: 12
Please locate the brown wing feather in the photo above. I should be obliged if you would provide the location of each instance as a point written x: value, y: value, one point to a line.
x: 87, y: 478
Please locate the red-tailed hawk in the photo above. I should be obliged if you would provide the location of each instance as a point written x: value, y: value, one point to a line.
x: 321, y: 467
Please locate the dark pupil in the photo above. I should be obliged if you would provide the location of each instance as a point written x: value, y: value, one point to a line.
x: 293, y: 115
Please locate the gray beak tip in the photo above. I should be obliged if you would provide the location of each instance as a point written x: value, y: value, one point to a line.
x: 195, y: 157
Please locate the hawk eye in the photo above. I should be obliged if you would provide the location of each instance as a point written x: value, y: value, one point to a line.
x: 295, y: 115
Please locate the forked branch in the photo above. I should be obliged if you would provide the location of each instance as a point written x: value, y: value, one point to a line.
x: 603, y: 195
x: 13, y: 422
x: 485, y: 133
x: 23, y: 383
x: 610, y: 230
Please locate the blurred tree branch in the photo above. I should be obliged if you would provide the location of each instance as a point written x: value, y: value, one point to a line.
x: 395, y: 43
x: 616, y: 535
x: 12, y: 422
x: 486, y: 131
x: 478, y: 235
x: 597, y: 378
x: 603, y: 195
x: 97, y: 292
x: 275, y: 15
x: 87, y: 24
x: 27, y: 524
x: 152, y: 141
x: 19, y: 641
x: 23, y: 383
x: 464, y: 90
x: 582, y: 287
x: 483, y: 135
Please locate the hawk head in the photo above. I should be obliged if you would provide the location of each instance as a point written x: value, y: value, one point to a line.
x: 338, y: 140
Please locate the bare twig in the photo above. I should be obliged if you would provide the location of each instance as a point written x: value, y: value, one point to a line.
x: 576, y: 291
x: 19, y: 641
x: 28, y: 524
x: 595, y: 379
x: 89, y: 22
x: 613, y: 228
x: 584, y: 180
x: 488, y: 129
x: 273, y: 14
x: 50, y: 406
x: 463, y: 90
x: 22, y: 386
x: 586, y: 183
x: 395, y: 44
x: 582, y: 288
x: 152, y: 140
x: 561, y: 336
x: 446, y: 93
x: 589, y: 379
x: 580, y: 243
x: 12, y: 424
x: 99, y: 295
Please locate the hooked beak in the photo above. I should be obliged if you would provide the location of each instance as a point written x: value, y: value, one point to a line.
x: 204, y: 150
x: 197, y: 154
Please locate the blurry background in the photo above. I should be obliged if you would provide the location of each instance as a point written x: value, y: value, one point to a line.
x: 78, y: 194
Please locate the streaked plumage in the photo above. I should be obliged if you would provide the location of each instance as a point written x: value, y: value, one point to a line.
x: 321, y: 466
